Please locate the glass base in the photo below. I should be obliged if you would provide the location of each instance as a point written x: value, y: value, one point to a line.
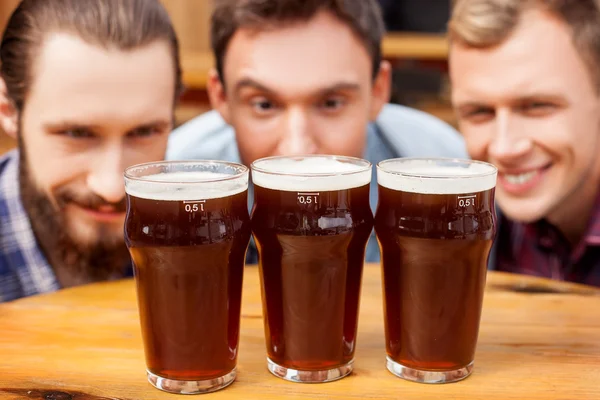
x: 191, y: 387
x: 294, y: 375
x: 421, y: 376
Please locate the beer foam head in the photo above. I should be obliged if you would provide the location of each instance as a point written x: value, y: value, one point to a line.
x: 436, y: 176
x: 182, y: 186
x: 311, y: 173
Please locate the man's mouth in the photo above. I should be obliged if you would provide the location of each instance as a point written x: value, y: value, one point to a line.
x: 109, y: 214
x: 521, y: 178
x: 521, y: 181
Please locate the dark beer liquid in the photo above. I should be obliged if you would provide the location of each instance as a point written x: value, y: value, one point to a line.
x: 434, y: 252
x: 189, y: 268
x: 311, y: 251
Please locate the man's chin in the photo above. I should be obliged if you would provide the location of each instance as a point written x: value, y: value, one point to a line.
x: 525, y: 211
x: 87, y: 237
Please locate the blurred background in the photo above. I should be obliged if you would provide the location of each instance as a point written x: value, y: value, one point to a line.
x: 415, y: 44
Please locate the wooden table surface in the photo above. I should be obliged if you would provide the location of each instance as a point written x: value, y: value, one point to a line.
x: 538, y: 340
x: 395, y: 46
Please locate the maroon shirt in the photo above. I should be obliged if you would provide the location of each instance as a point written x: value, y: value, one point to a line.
x: 540, y: 249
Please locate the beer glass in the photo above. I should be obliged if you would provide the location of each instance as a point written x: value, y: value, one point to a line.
x: 435, y: 223
x: 311, y: 221
x: 187, y: 230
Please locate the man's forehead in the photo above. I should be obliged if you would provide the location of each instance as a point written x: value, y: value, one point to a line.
x: 319, y: 50
x: 73, y: 78
x: 520, y: 66
x: 72, y: 61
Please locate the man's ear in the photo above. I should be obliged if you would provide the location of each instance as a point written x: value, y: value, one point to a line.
x: 217, y: 94
x: 382, y: 89
x: 8, y: 112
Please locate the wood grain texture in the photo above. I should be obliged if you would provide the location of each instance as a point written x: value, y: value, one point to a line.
x: 191, y: 19
x: 421, y: 46
x: 538, y: 340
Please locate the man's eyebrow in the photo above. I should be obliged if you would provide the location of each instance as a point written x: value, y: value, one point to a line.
x: 472, y: 104
x: 526, y: 98
x: 72, y: 124
x: 541, y: 96
x: 341, y: 87
x: 158, y: 123
x: 252, y: 84
x: 68, y: 124
x: 335, y: 87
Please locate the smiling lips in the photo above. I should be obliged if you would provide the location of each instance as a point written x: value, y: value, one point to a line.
x: 107, y: 214
x: 522, y: 181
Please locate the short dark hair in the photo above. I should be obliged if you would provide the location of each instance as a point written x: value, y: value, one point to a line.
x: 362, y: 16
x: 125, y: 25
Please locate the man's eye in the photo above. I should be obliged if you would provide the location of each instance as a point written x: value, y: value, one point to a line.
x: 478, y: 114
x: 78, y: 133
x: 263, y: 105
x: 538, y: 108
x: 332, y: 104
x: 143, y: 132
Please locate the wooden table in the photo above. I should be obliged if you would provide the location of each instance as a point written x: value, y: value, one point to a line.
x: 538, y: 340
x: 395, y: 46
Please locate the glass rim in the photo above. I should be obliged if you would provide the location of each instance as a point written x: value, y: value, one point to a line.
x: 355, y: 160
x: 493, y: 169
x: 243, y: 171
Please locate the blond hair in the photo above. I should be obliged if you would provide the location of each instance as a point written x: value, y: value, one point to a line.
x: 487, y: 23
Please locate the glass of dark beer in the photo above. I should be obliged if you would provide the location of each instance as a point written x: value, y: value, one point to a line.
x: 435, y: 223
x: 187, y: 229
x: 311, y: 221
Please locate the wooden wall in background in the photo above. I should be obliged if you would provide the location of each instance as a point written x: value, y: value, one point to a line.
x: 6, y: 8
x: 192, y: 20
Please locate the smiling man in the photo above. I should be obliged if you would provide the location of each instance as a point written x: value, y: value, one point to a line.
x: 526, y: 88
x: 88, y: 88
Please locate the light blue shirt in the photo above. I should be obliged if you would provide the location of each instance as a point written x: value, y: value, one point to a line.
x: 398, y: 132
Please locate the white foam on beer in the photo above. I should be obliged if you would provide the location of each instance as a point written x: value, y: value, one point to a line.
x: 310, y: 174
x: 432, y: 178
x: 180, y: 186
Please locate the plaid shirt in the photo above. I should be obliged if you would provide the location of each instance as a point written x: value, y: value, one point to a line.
x: 540, y: 249
x: 24, y: 270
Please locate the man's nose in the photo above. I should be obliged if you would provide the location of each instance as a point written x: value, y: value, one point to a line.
x: 106, y: 176
x: 297, y: 138
x: 510, y: 141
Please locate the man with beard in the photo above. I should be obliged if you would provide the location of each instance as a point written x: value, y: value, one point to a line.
x: 87, y: 88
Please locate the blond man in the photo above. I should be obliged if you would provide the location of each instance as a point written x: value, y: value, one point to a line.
x: 526, y: 90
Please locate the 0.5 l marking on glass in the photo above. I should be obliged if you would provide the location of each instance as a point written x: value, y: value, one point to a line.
x: 308, y: 198
x: 466, y: 201
x: 194, y: 206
